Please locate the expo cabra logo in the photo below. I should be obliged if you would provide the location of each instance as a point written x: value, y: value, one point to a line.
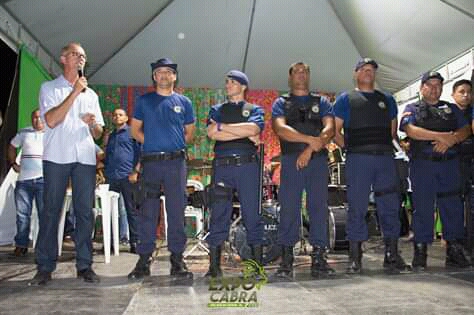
x: 238, y: 291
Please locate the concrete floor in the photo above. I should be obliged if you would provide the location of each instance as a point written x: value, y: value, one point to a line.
x: 436, y: 291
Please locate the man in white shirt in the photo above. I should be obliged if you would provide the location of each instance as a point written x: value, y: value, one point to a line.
x: 73, y: 119
x: 29, y: 185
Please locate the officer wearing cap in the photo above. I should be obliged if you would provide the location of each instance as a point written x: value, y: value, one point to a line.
x: 235, y: 126
x: 369, y: 120
x: 434, y: 128
x: 163, y: 121
x: 304, y: 122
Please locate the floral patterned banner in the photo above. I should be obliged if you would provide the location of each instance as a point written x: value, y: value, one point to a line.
x: 112, y: 97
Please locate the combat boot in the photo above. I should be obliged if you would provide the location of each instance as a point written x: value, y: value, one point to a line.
x: 286, y: 266
x: 178, y: 267
x: 215, y: 270
x: 142, y: 268
x: 355, y: 257
x: 419, y: 257
x: 319, y: 263
x: 393, y: 263
x: 455, y: 255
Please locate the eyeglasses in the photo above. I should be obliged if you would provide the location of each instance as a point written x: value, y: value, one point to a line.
x: 78, y: 54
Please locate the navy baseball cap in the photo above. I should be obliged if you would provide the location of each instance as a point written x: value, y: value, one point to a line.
x: 163, y: 62
x: 238, y: 76
x: 366, y: 61
x: 431, y: 75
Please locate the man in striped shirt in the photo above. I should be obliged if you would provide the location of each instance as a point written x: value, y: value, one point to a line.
x: 30, y: 179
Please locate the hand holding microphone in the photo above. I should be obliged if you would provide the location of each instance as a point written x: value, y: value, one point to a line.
x: 80, y: 72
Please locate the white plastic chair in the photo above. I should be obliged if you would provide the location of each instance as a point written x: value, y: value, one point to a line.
x: 108, y: 201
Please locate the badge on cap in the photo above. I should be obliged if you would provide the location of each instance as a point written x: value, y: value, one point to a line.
x: 177, y: 109
x: 448, y: 110
x: 382, y: 105
x: 246, y: 113
x: 315, y: 109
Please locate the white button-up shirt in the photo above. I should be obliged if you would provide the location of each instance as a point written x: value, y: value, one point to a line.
x: 71, y: 141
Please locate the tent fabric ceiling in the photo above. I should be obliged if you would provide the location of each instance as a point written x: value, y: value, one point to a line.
x: 262, y: 37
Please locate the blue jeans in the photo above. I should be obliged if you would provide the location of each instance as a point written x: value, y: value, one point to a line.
x: 56, y: 178
x: 123, y: 222
x: 25, y: 191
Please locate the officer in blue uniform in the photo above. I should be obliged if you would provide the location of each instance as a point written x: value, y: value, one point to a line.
x: 462, y: 96
x: 236, y: 126
x: 164, y: 122
x: 435, y: 127
x: 369, y: 119
x: 304, y: 122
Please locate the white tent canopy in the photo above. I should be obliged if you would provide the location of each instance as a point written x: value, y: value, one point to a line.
x: 262, y: 37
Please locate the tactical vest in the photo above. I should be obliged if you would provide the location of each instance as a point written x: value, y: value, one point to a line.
x: 304, y: 118
x: 432, y: 118
x: 370, y: 126
x: 230, y: 114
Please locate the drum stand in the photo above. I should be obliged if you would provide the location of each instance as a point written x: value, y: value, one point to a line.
x: 201, y: 237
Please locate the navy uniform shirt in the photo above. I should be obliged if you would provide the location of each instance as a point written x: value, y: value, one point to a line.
x: 121, y: 154
x: 164, y: 119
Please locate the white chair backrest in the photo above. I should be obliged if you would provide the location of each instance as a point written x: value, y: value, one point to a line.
x: 198, y: 186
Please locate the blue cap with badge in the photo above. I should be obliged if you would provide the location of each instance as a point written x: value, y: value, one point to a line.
x: 238, y: 76
x: 431, y: 75
x: 163, y: 62
x: 365, y: 61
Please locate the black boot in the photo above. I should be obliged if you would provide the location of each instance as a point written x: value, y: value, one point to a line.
x: 178, y: 267
x: 215, y: 270
x: 142, y: 268
x: 286, y: 266
x: 319, y: 263
x: 256, y: 269
x: 355, y: 257
x: 257, y: 254
x: 455, y: 255
x: 419, y: 256
x: 393, y: 263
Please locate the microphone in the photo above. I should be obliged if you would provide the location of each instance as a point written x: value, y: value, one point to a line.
x: 80, y: 73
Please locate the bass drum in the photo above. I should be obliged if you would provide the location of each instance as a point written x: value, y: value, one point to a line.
x: 337, y: 228
x: 271, y: 251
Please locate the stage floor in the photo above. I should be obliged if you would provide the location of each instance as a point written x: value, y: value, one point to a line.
x: 436, y: 291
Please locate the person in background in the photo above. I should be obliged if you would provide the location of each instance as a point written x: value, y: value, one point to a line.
x: 29, y: 185
x: 73, y: 120
x: 462, y: 96
x: 121, y: 161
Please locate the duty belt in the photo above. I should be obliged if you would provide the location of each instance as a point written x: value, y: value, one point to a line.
x: 435, y: 158
x: 163, y: 156
x: 234, y: 160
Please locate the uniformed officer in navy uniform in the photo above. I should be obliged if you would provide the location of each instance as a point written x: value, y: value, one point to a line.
x: 304, y: 122
x: 462, y: 96
x: 164, y: 122
x: 434, y: 128
x: 369, y: 120
x: 235, y: 126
